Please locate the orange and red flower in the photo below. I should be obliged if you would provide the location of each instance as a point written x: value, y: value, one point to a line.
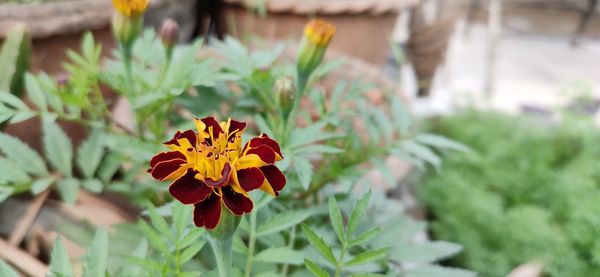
x: 211, y: 169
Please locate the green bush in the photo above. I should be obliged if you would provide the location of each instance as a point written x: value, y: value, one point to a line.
x: 529, y: 191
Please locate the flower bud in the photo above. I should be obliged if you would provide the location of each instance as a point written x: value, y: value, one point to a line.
x: 317, y: 35
x: 284, y: 91
x: 169, y: 33
x: 127, y: 21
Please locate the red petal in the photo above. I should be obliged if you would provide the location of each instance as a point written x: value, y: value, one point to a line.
x: 250, y: 178
x: 265, y: 153
x: 189, y: 135
x: 163, y: 169
x: 208, y: 212
x: 275, y: 177
x: 225, y: 174
x: 236, y: 126
x: 166, y: 156
x: 189, y: 190
x: 266, y: 140
x: 216, y: 128
x: 237, y: 203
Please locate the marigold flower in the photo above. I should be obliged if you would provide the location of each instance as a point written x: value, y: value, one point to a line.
x: 211, y: 169
x: 317, y: 36
x: 131, y: 8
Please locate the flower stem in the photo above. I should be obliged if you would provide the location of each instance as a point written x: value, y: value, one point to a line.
x: 222, y: 252
x: 251, y: 244
x: 338, y: 266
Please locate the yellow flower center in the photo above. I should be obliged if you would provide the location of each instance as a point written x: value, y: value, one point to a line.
x: 319, y: 32
x: 131, y: 8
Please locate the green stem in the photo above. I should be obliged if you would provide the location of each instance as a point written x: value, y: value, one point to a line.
x: 251, y: 244
x: 291, y: 246
x: 291, y: 115
x: 340, y: 262
x: 222, y: 252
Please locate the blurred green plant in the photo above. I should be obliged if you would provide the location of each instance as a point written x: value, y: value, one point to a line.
x: 528, y: 192
x: 14, y: 60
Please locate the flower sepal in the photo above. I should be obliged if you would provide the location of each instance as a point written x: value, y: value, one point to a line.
x: 228, y: 223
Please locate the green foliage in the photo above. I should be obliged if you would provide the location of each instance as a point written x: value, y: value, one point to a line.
x: 14, y: 60
x: 528, y: 192
x: 6, y: 270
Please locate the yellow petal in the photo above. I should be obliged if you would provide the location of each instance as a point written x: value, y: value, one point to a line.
x: 266, y: 187
x: 177, y: 173
x: 248, y: 161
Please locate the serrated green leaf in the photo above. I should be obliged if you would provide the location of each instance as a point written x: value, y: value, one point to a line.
x: 318, y: 243
x: 7, y: 271
x: 193, y: 235
x: 368, y: 256
x: 5, y: 192
x: 441, y: 142
x: 422, y: 152
x: 59, y: 260
x: 159, y: 222
x: 315, y: 269
x: 23, y: 155
x: 304, y: 170
x: 96, y: 258
x: 68, y: 189
x: 35, y: 92
x: 427, y: 252
x: 9, y: 172
x: 132, y: 269
x: 181, y: 216
x: 366, y: 236
x: 153, y: 237
x: 13, y: 101
x: 358, y: 212
x: 282, y: 255
x: 89, y: 154
x: 436, y: 271
x: 318, y: 148
x: 191, y: 251
x: 58, y: 147
x: 40, y: 185
x: 335, y: 215
x: 282, y: 221
x: 147, y: 264
x: 21, y: 116
x: 262, y: 125
x: 93, y: 185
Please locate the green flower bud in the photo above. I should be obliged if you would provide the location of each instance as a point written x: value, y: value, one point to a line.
x: 126, y: 29
x: 317, y: 36
x: 169, y: 33
x: 285, y: 91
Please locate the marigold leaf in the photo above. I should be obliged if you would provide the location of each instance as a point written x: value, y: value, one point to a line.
x: 68, y: 189
x: 319, y: 244
x: 58, y: 147
x: 282, y: 255
x: 335, y: 215
x: 35, y: 92
x: 10, y: 172
x: 40, y: 185
x: 159, y: 222
x: 282, y: 221
x: 368, y: 256
x: 89, y: 154
x: 427, y: 252
x: 366, y: 236
x: 304, y: 170
x: 191, y: 251
x: 93, y: 185
x: 133, y: 269
x: 441, y: 142
x: 435, y: 271
x: 96, y: 258
x: 59, y: 260
x: 315, y: 269
x: 358, y: 212
x: 23, y: 155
